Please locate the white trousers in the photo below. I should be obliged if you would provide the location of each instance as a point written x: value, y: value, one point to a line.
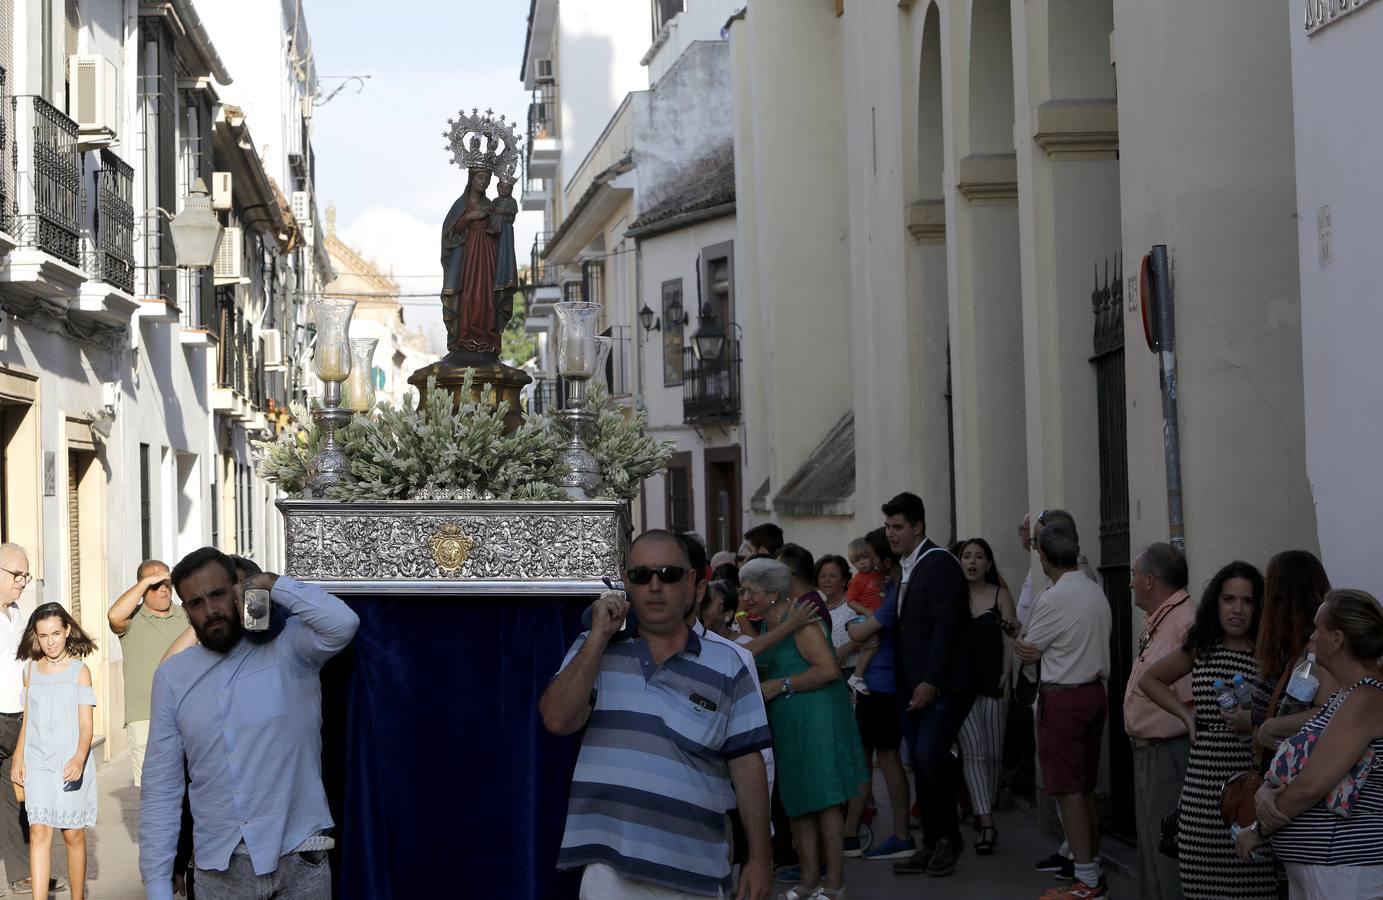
x: 600, y: 882
x: 1335, y: 882
x: 137, y: 733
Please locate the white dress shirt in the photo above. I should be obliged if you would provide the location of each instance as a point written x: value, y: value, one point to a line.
x: 11, y: 670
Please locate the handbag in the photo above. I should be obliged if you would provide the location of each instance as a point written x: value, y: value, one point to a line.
x: 1238, y: 797
x: 1293, y: 753
x: 1167, y: 834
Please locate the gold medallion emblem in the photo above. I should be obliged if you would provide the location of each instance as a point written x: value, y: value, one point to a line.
x: 451, y: 548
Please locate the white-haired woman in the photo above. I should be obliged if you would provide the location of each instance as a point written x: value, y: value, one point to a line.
x: 815, y: 741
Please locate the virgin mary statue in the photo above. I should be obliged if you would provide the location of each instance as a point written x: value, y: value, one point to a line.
x: 470, y: 252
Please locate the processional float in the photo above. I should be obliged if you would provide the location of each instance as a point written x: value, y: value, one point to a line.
x: 469, y: 564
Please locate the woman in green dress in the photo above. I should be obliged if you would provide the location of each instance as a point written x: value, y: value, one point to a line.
x: 816, y: 745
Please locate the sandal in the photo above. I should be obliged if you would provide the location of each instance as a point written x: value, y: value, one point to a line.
x: 984, y: 844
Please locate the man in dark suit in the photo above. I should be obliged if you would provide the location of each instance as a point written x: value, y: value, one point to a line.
x: 931, y: 641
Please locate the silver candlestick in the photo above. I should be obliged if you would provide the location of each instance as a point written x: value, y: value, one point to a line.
x: 576, y: 361
x: 332, y: 361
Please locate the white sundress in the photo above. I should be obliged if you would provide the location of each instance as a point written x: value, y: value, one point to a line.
x: 50, y: 740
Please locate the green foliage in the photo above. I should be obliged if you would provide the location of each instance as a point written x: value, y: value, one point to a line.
x: 397, y: 453
x: 626, y: 454
x: 284, y: 461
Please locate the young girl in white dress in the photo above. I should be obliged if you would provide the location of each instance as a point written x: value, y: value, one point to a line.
x: 52, y: 759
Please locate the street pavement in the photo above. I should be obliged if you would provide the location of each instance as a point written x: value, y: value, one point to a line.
x: 113, y: 857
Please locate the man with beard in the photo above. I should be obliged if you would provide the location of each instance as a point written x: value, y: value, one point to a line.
x: 261, y: 830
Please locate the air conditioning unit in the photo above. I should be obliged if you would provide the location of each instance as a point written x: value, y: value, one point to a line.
x: 91, y: 99
x: 543, y: 72
x: 273, y: 347
x: 221, y: 197
x: 302, y: 207
x: 230, y: 257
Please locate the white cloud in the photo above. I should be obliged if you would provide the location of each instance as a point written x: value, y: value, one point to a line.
x: 406, y: 246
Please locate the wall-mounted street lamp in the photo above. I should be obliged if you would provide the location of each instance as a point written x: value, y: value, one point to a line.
x: 196, y: 230
x: 709, y: 340
x: 646, y: 319
x: 675, y: 313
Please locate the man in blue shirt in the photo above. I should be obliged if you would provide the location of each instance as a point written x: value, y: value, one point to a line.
x: 247, y: 717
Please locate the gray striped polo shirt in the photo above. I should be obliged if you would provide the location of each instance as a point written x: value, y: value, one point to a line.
x: 652, y: 781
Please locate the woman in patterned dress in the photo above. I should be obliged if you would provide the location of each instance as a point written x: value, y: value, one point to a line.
x: 1218, y: 647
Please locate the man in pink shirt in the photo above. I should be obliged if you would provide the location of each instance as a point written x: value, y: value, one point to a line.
x: 1160, y: 744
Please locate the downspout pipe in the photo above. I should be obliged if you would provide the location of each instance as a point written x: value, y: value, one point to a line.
x: 1167, y: 377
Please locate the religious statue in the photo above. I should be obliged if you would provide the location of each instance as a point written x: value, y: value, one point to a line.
x: 479, y: 266
x: 505, y: 208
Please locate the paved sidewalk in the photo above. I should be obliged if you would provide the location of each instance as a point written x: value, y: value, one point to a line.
x: 113, y: 857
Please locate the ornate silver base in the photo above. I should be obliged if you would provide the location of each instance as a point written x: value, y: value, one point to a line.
x: 582, y: 481
x: 482, y: 548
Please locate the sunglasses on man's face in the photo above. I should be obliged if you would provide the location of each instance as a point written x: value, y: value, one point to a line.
x: 666, y: 574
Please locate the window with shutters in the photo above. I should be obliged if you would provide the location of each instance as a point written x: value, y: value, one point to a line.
x: 74, y: 536
x: 677, y: 486
x: 146, y: 542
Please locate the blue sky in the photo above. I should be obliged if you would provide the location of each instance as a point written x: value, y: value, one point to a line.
x: 380, y: 157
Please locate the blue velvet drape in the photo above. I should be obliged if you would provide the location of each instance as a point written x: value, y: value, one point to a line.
x: 441, y: 778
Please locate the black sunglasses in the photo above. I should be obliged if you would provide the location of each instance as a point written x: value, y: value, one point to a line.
x: 666, y: 574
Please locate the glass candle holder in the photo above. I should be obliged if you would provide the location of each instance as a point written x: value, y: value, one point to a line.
x: 358, y: 393
x: 576, y: 356
x: 332, y: 359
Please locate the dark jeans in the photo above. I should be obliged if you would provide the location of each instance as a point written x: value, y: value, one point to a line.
x: 14, y: 833
x: 299, y: 876
x: 931, y: 733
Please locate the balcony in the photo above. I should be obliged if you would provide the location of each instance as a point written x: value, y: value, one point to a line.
x: 543, y: 290
x: 46, y: 183
x: 537, y: 193
x: 108, y: 249
x: 549, y: 394
x: 240, y: 390
x: 711, y: 387
x: 544, y: 148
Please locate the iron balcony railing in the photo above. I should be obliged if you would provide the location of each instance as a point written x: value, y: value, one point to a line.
x: 543, y: 112
x: 109, y: 250
x: 239, y: 359
x: 711, y: 387
x: 47, y: 144
x: 541, y: 273
x: 549, y: 395
x: 7, y: 176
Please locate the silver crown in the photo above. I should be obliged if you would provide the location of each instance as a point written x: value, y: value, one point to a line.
x: 481, y: 141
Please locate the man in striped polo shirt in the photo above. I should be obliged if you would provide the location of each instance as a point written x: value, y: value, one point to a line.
x: 673, y: 726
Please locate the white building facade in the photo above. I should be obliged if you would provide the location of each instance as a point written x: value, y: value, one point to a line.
x: 1339, y: 217
x: 126, y: 380
x: 630, y: 158
x: 942, y: 208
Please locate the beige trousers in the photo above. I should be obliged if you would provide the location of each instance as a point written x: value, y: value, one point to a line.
x: 137, y: 733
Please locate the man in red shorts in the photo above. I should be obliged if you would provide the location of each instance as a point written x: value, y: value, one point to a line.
x: 1069, y: 633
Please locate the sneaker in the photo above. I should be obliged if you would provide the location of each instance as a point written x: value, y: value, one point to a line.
x: 1067, y: 872
x: 915, y: 864
x: 943, y: 861
x: 789, y: 874
x: 852, y: 848
x: 893, y: 847
x: 1053, y: 863
x: 856, y: 684
x: 1077, y: 890
x: 27, y: 886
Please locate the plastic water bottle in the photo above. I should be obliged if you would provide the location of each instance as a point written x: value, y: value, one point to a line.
x: 1243, y: 692
x: 1224, y: 695
x: 1301, y: 689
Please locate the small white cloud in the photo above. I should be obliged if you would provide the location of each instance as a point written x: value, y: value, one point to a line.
x: 406, y: 246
